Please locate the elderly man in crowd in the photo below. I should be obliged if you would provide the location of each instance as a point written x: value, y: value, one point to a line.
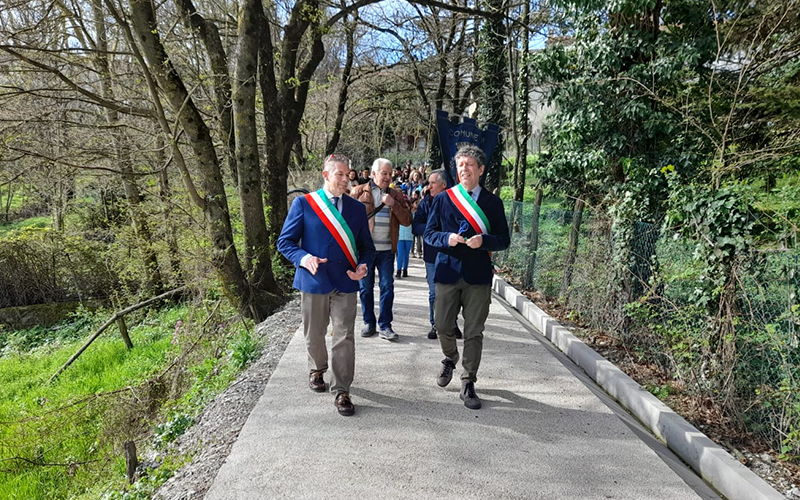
x: 387, y: 209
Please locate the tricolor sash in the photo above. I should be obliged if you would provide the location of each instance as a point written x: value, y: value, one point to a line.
x: 335, y: 223
x: 469, y: 209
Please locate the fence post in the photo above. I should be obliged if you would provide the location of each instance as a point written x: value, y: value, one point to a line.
x: 131, y: 461
x: 123, y: 330
x: 534, y: 241
x: 572, y: 251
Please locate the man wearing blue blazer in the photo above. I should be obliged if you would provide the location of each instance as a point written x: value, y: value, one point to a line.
x: 466, y: 223
x: 437, y: 183
x: 326, y: 236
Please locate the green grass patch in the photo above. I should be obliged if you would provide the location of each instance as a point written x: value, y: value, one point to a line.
x: 19, y: 197
x: 33, y: 222
x: 64, y: 440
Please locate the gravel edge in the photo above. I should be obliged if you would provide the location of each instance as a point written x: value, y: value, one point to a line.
x: 217, y: 428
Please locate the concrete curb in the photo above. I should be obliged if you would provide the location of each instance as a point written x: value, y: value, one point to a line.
x: 729, y: 477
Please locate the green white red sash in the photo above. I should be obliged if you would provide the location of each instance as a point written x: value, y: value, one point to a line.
x: 469, y: 209
x: 335, y: 223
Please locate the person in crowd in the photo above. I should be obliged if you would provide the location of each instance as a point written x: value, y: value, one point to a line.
x: 466, y: 223
x: 352, y: 180
x: 414, y: 183
x: 398, y: 179
x: 326, y: 236
x: 404, y: 241
x: 437, y: 183
x: 387, y: 210
x: 416, y: 245
x: 407, y: 170
x: 364, y: 178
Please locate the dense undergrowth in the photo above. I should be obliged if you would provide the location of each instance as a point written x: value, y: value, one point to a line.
x: 65, y: 439
x: 730, y: 346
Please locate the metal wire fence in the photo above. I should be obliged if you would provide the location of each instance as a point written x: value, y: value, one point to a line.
x: 652, y: 306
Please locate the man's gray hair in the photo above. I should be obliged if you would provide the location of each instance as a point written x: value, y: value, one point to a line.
x: 378, y: 163
x: 472, y: 151
x: 332, y: 160
x: 440, y: 176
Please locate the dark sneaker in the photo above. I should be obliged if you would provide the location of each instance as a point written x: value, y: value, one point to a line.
x: 397, y: 275
x: 388, y: 334
x: 457, y: 333
x: 343, y: 404
x: 405, y: 273
x: 315, y: 382
x: 432, y: 334
x: 469, y: 397
x: 446, y: 375
x: 368, y: 331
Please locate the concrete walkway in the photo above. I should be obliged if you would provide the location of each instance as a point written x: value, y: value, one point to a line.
x: 545, y: 430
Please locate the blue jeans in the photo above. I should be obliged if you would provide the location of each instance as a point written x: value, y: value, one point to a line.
x: 403, y: 249
x: 384, y: 264
x: 430, y: 267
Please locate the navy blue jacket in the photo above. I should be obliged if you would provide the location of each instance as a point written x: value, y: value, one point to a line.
x: 460, y: 261
x: 304, y: 233
x: 418, y: 228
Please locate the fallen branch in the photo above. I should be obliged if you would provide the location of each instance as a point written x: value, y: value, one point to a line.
x: 112, y: 320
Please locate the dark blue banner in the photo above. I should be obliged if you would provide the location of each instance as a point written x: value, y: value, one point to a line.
x: 452, y: 135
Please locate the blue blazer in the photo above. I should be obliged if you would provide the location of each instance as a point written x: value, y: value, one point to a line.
x: 418, y: 228
x: 304, y: 233
x: 460, y: 261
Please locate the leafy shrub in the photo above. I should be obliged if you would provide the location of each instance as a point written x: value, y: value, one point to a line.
x: 172, y: 429
x: 245, y: 349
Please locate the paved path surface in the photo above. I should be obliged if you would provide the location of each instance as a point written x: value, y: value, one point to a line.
x: 545, y: 430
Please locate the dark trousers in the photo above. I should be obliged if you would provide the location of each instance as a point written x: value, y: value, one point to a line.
x: 473, y: 301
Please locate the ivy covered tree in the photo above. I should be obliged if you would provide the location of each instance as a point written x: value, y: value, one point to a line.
x: 616, y: 76
x: 493, y: 63
x: 680, y: 109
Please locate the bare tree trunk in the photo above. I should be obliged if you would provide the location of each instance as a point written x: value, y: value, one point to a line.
x: 493, y: 62
x: 284, y: 98
x: 572, y: 250
x: 154, y: 281
x: 165, y: 194
x: 522, y: 129
x: 258, y: 261
x: 340, y: 109
x: 9, y: 199
x: 214, y: 202
x: 209, y: 34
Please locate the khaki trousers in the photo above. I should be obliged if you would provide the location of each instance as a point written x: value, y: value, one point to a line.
x: 338, y: 309
x: 474, y: 301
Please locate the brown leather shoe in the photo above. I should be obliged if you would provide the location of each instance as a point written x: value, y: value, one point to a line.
x: 344, y: 405
x: 315, y: 381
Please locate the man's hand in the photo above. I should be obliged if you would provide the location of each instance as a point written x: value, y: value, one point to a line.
x: 359, y: 273
x: 455, y: 239
x: 387, y: 200
x: 312, y: 264
x: 475, y: 242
